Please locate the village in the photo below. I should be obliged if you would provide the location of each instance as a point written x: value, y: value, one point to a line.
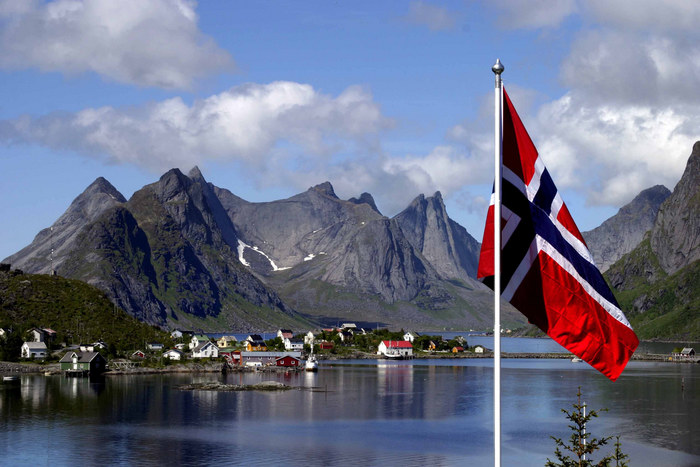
x: 285, y: 350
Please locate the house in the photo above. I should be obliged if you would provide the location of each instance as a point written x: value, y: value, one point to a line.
x: 99, y: 345
x: 226, y: 341
x: 180, y: 346
x: 254, y: 338
x: 33, y: 350
x: 176, y: 334
x: 173, y: 354
x: 309, y: 338
x: 87, y: 347
x: 3, y: 332
x: 36, y: 335
x: 265, y: 358
x: 91, y: 362
x: 687, y: 352
x: 205, y: 350
x: 457, y: 349
x: 155, y: 346
x: 138, y: 355
x: 395, y: 349
x: 285, y: 334
x: 345, y: 335
x: 410, y: 336
x: 293, y: 344
x: 325, y: 345
x: 432, y: 346
x: 197, y: 340
x: 287, y: 360
x: 256, y: 346
x: 349, y: 326
x: 478, y: 349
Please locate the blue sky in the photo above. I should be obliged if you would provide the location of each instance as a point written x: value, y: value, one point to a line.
x: 392, y: 98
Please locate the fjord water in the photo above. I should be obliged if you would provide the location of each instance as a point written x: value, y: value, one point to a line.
x: 362, y: 412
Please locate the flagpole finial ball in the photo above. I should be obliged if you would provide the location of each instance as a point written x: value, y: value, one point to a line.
x: 498, y: 68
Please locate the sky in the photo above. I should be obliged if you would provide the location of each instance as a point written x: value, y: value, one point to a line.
x: 271, y: 97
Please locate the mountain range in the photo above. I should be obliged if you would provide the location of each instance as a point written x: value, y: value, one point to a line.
x: 182, y: 252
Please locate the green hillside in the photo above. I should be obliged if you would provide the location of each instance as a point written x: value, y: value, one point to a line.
x: 658, y: 305
x: 78, y: 312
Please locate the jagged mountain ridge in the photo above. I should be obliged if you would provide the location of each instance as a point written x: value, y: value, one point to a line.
x: 183, y: 252
x: 622, y: 232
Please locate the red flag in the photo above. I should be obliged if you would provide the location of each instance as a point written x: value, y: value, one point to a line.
x: 547, y: 272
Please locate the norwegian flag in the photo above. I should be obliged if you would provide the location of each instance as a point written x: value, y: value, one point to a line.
x: 547, y: 272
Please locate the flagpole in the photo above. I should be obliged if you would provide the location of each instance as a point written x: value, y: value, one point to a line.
x: 497, y: 69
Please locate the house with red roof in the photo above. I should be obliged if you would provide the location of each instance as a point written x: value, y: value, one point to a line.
x: 395, y: 349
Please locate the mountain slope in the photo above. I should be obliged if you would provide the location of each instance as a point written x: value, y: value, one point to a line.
x: 658, y: 283
x: 98, y: 197
x: 623, y: 231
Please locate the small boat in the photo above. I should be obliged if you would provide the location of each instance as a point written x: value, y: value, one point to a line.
x: 10, y: 378
x: 311, y: 363
x: 576, y: 360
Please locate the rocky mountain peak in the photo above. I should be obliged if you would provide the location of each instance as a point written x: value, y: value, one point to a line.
x: 101, y: 185
x: 622, y: 232
x: 196, y: 175
x: 365, y: 198
x: 324, y: 188
x: 446, y: 244
x: 676, y: 233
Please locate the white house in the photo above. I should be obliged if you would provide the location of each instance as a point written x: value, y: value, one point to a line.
x: 155, y: 346
x: 285, y: 334
x: 349, y: 326
x: 197, y: 340
x: 180, y: 346
x: 309, y: 338
x: 176, y: 334
x: 395, y: 349
x: 293, y: 344
x: 410, y: 336
x: 36, y: 335
x: 205, y: 350
x: 2, y: 332
x: 172, y: 354
x: 478, y: 349
x: 87, y: 347
x: 33, y: 350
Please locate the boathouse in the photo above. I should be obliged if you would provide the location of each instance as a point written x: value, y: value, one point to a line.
x: 83, y: 362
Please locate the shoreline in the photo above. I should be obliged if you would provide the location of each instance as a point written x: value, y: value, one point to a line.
x: 14, y: 368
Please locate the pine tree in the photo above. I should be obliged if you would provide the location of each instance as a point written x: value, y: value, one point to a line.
x: 581, y: 443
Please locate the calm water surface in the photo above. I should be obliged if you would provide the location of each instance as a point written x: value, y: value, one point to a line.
x: 421, y: 412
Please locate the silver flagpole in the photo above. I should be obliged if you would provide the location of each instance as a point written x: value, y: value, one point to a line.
x: 497, y: 68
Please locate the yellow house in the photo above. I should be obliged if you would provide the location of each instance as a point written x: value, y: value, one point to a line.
x: 226, y: 341
x: 255, y: 346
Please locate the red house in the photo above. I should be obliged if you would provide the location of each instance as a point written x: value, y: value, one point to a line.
x: 325, y: 345
x: 287, y: 360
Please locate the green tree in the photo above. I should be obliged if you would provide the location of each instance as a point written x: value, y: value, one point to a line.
x: 275, y: 344
x: 581, y: 444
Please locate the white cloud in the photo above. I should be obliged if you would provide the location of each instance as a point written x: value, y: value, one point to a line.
x: 251, y: 124
x: 143, y: 42
x: 436, y: 18
x: 532, y: 14
x: 668, y: 16
x: 612, y: 66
